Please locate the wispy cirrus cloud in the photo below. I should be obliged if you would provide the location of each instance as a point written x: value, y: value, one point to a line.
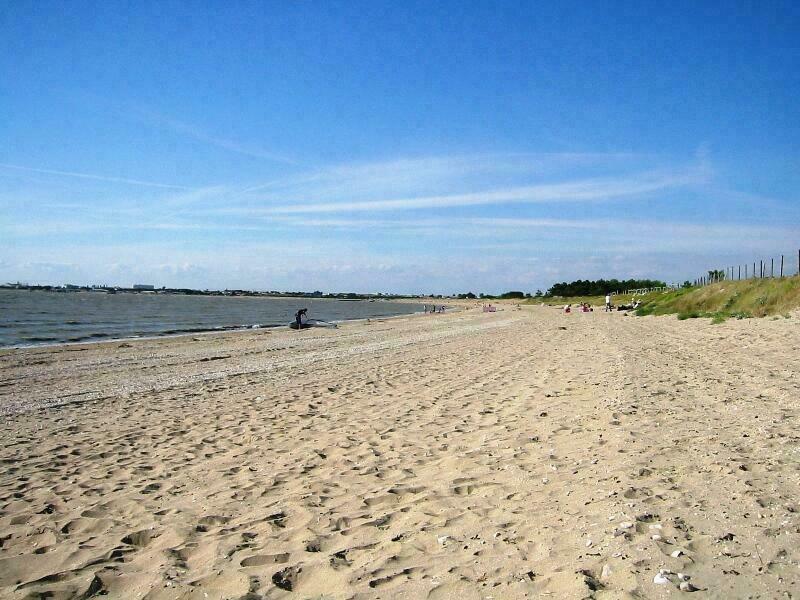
x: 380, y: 176
x: 378, y: 222
x: 108, y: 178
x: 569, y: 191
x: 197, y: 133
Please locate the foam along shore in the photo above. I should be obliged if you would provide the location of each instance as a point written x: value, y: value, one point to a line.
x: 466, y: 455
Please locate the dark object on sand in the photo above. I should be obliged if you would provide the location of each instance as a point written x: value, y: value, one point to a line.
x: 312, y: 323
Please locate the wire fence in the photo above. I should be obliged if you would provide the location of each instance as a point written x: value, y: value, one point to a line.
x: 642, y: 291
x: 763, y: 269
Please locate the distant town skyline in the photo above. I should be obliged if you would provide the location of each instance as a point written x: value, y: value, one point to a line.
x: 403, y: 148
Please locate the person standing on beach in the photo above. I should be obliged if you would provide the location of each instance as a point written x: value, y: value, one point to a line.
x: 298, y: 316
x: 608, y: 302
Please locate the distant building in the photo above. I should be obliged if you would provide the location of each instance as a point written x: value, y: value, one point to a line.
x: 144, y: 287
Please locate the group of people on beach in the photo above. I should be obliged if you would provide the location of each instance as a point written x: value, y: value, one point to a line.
x: 586, y: 307
x: 434, y: 309
x: 582, y: 307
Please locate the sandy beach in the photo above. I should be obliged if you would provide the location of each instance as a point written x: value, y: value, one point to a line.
x: 518, y: 454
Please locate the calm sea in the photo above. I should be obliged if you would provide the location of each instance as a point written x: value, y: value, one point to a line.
x: 36, y: 317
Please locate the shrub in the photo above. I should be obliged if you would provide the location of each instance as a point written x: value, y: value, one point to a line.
x: 512, y: 296
x: 692, y: 314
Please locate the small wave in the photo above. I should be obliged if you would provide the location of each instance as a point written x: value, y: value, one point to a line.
x: 184, y: 330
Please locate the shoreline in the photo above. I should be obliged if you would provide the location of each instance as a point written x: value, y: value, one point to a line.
x: 218, y: 331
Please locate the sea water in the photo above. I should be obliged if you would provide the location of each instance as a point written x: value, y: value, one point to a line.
x: 40, y: 317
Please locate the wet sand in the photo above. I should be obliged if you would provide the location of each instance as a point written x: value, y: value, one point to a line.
x: 517, y: 454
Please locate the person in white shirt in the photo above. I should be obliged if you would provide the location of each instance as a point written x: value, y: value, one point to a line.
x: 608, y: 302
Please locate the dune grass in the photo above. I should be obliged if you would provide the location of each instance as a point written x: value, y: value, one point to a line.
x: 728, y: 299
x: 594, y: 301
x: 720, y: 301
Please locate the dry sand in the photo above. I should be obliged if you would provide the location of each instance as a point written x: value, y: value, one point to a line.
x: 518, y: 454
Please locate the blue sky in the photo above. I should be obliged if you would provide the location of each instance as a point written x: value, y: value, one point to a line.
x: 405, y: 147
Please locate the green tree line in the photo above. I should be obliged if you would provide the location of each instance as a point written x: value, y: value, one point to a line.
x: 584, y: 287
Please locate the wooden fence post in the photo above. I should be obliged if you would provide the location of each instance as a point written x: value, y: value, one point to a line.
x: 781, y: 266
x: 740, y: 273
x: 761, y: 269
x: 745, y: 270
x: 772, y: 268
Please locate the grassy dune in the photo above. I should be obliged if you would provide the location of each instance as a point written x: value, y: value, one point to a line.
x: 740, y: 299
x: 595, y: 301
x: 737, y: 299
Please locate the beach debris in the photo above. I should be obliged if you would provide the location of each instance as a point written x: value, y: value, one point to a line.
x: 339, y: 559
x: 655, y: 537
x: 589, y: 580
x: 442, y: 539
x: 606, y: 572
x: 623, y: 528
x: 646, y: 517
x: 661, y: 577
x: 686, y: 586
x: 588, y: 543
x: 677, y: 553
x: 286, y: 579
